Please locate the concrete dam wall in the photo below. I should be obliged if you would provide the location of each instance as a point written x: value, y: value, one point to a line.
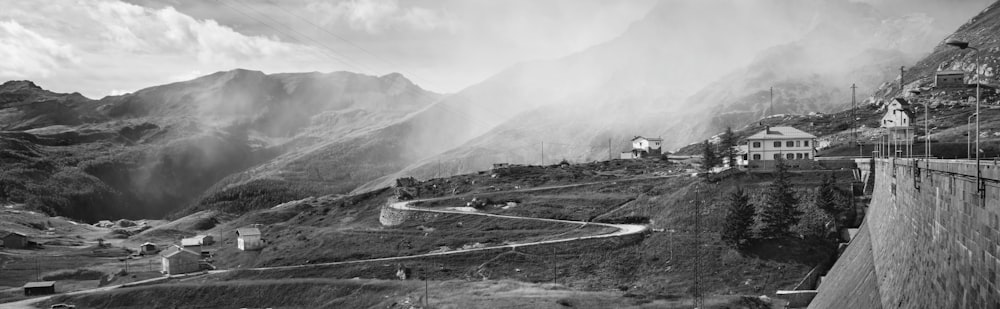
x: 930, y: 239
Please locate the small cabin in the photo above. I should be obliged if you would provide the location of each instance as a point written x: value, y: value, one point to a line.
x: 148, y: 248
x: 14, y: 240
x: 949, y: 78
x: 40, y: 288
x: 180, y: 261
x: 249, y: 239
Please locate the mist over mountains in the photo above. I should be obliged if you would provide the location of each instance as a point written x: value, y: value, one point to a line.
x: 684, y: 72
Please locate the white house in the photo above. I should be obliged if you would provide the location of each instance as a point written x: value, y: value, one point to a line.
x: 775, y: 143
x: 249, y: 239
x: 178, y: 260
x: 644, y: 147
x: 898, y: 122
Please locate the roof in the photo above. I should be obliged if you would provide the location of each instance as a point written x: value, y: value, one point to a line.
x: 40, y: 284
x: 179, y: 251
x: 5, y: 234
x: 248, y: 231
x: 780, y: 133
x: 147, y: 243
x: 647, y: 138
x: 190, y: 242
x: 902, y: 102
x: 949, y: 72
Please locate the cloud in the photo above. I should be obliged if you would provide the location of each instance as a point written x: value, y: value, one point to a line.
x: 27, y: 53
x: 378, y: 16
x: 139, y: 29
x: 98, y: 47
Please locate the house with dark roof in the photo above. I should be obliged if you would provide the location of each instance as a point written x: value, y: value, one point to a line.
x: 14, y: 240
x: 779, y: 143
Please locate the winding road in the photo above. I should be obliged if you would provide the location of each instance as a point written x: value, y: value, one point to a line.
x: 622, y: 230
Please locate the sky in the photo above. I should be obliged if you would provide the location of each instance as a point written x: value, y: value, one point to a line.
x: 107, y: 47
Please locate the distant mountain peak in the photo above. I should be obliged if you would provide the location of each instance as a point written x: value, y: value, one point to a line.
x: 15, y: 85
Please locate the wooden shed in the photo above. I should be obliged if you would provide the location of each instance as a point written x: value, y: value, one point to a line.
x: 14, y: 240
x: 40, y: 288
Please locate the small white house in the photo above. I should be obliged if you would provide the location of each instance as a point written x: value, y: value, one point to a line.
x: 643, y: 147
x: 249, y: 239
x: 898, y: 123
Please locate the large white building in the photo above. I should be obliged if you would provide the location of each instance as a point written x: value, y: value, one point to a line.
x: 775, y: 143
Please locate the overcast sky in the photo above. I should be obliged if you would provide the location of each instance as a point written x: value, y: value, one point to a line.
x: 101, y: 47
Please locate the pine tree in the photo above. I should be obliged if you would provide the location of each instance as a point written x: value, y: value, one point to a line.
x: 826, y: 196
x: 779, y: 210
x: 727, y: 145
x: 709, y: 158
x: 739, y: 220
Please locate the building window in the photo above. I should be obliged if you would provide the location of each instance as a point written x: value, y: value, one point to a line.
x: 756, y: 156
x: 798, y: 156
x: 777, y: 156
x: 790, y: 156
x: 806, y: 143
x: 756, y: 144
x: 777, y: 144
x: 789, y: 144
x: 904, y: 120
x: 807, y: 156
x: 798, y: 143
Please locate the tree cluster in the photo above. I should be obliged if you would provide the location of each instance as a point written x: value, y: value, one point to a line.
x: 781, y: 212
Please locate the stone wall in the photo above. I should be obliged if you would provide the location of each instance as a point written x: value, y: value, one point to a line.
x: 389, y: 216
x: 934, y: 240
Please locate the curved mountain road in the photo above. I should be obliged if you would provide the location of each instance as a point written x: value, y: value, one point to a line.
x: 623, y: 230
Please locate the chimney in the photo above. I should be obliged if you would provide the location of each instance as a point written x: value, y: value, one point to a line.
x: 767, y: 129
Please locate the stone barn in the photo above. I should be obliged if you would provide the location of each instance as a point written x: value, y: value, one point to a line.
x: 180, y: 261
x: 249, y: 239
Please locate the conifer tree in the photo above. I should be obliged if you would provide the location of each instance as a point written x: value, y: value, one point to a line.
x: 739, y: 220
x: 709, y: 158
x: 779, y: 212
x: 727, y: 145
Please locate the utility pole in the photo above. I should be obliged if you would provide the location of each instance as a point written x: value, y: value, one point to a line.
x: 901, y: 80
x: 854, y: 119
x: 698, y: 302
x: 770, y: 108
x: 554, y: 267
x: 610, y: 152
x: 543, y: 153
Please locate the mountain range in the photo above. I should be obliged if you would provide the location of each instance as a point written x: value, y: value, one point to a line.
x: 242, y: 139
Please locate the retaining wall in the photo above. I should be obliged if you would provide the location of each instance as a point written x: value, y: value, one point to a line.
x: 934, y: 241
